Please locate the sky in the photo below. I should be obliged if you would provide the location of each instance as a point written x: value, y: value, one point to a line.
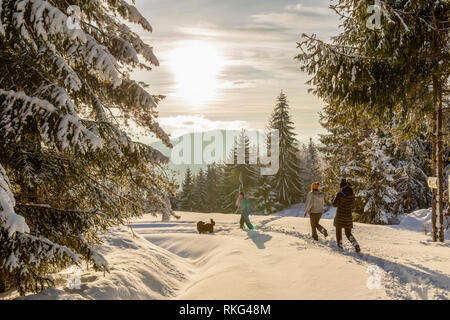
x: 223, y: 63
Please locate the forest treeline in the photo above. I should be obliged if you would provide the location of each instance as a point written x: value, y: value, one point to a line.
x: 389, y: 174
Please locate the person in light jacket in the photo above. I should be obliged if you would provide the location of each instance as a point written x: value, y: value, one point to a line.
x: 314, y: 207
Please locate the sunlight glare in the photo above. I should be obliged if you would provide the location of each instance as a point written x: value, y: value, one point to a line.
x: 196, y: 65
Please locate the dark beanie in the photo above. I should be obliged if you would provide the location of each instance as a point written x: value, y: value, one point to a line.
x: 343, y: 183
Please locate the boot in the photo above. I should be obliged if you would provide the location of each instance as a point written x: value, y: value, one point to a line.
x: 339, y: 244
x: 323, y: 231
x: 354, y: 243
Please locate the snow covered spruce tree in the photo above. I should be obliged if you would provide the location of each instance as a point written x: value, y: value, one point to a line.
x: 199, y: 195
x: 68, y: 168
x: 213, y: 178
x: 312, y: 170
x: 287, y: 181
x: 395, y: 181
x: 382, y: 202
x: 412, y: 168
x: 388, y: 176
x: 266, y: 197
x: 186, y: 196
x: 341, y: 150
x: 239, y: 173
x: 395, y: 70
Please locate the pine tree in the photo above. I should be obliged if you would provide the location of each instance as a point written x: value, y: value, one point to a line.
x: 313, y: 165
x: 287, y: 181
x: 199, y: 197
x: 239, y: 173
x: 388, y: 176
x: 342, y: 152
x: 395, y: 73
x: 266, y: 197
x: 395, y: 180
x: 68, y: 169
x: 213, y: 176
x: 412, y: 172
x: 380, y: 197
x: 245, y: 162
x: 186, y: 196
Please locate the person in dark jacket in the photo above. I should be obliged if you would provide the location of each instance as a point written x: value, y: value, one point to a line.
x: 344, y: 202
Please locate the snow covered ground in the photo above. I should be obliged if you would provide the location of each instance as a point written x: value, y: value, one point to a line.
x: 277, y: 261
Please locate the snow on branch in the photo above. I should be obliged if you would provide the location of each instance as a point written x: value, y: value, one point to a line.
x: 119, y: 142
x: 46, y: 21
x: 124, y: 50
x: 37, y: 19
x: 65, y: 72
x: 140, y: 46
x: 311, y: 45
x: 133, y: 15
x: 9, y: 220
x: 53, y: 251
x: 98, y: 56
x: 17, y: 109
x: 2, y: 28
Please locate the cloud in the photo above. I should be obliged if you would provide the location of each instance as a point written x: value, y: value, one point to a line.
x: 181, y: 125
x: 258, y: 41
x: 239, y: 84
x: 296, y: 22
x: 308, y: 10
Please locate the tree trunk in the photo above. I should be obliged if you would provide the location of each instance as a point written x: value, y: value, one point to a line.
x: 440, y: 171
x: 437, y: 158
x: 433, y: 170
x: 409, y: 178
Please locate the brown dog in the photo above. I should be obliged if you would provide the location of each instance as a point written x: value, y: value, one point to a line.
x: 205, y: 227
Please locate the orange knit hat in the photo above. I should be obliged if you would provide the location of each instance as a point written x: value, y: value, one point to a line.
x: 315, y: 186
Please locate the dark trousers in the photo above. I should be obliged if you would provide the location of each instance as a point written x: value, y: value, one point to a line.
x: 314, y: 218
x: 348, y: 234
x: 246, y: 220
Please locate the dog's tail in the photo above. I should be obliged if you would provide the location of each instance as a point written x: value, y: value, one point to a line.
x: 212, y: 222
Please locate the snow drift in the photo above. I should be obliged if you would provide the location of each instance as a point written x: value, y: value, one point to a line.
x: 170, y: 260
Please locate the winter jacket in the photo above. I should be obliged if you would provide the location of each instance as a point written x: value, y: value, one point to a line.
x: 315, y: 201
x: 245, y: 205
x: 344, y: 201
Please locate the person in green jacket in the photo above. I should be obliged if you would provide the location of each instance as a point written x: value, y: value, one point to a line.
x: 246, y: 207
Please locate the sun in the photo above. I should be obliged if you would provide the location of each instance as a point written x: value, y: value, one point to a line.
x: 196, y: 66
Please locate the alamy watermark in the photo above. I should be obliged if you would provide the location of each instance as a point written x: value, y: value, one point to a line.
x: 374, y: 21
x: 374, y: 281
x: 216, y: 146
x: 73, y: 277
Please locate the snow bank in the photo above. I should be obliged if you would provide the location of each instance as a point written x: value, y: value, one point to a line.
x: 416, y: 220
x: 279, y: 260
x: 138, y: 270
x: 413, y: 221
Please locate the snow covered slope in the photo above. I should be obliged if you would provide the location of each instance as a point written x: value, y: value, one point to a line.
x: 277, y: 261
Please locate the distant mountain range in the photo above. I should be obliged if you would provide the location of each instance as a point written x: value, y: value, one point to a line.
x: 179, y: 170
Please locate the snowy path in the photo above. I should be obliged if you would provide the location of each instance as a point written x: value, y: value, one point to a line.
x: 277, y: 261
x: 280, y: 261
